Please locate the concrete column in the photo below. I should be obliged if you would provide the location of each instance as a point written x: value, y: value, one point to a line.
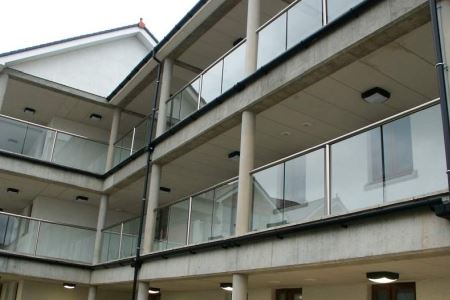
x: 92, y: 293
x: 253, y: 21
x: 102, y: 210
x: 166, y: 82
x: 240, y: 287
x: 152, y: 204
x: 3, y: 85
x: 113, y: 137
x: 246, y: 164
x: 19, y: 290
x: 142, y: 291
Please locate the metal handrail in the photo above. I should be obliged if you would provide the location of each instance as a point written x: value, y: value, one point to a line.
x: 281, y: 12
x: 47, y: 221
x: 350, y: 134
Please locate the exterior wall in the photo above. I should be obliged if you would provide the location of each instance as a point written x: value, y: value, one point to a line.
x: 97, y: 69
x: 72, y: 212
x: 433, y: 289
x: 91, y: 132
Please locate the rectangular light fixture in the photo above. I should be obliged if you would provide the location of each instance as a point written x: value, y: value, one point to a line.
x: 234, y: 155
x: 95, y: 117
x: 12, y: 190
x: 82, y: 198
x: 376, y: 95
x: 165, y: 189
x: 29, y: 111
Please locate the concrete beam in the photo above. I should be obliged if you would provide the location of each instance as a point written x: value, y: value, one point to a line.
x: 414, y: 233
x: 382, y: 24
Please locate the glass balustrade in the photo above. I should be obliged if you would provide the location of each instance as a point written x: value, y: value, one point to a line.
x: 338, y: 7
x: 120, y: 241
x: 49, y: 144
x: 399, y: 160
x: 45, y: 239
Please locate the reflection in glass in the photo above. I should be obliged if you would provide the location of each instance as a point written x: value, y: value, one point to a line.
x: 272, y: 40
x: 189, y: 102
x: 338, y: 7
x: 356, y: 167
x: 211, y: 84
x: 233, y: 67
x: 224, y: 214
x: 80, y: 153
x: 304, y: 18
x: 162, y: 221
x: 177, y: 225
x: 18, y: 234
x: 201, y: 217
x: 268, y: 197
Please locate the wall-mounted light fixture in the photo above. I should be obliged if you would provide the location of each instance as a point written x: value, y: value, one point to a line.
x: 383, y: 277
x: 81, y: 198
x: 164, y: 189
x: 234, y: 155
x: 69, y: 286
x: 226, y: 286
x: 29, y: 111
x: 12, y: 190
x: 153, y: 290
x: 376, y: 95
x: 95, y: 117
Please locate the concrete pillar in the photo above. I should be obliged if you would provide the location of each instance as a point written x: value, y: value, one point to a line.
x: 246, y: 164
x: 9, y: 291
x: 113, y: 137
x: 3, y: 85
x: 142, y: 291
x: 92, y: 293
x: 253, y: 21
x: 19, y: 290
x: 152, y: 204
x: 102, y: 210
x: 166, y: 82
x: 240, y: 287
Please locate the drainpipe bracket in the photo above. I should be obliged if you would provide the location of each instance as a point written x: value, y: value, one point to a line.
x: 442, y: 210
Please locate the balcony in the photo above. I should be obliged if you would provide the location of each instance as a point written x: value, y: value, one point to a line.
x: 52, y: 145
x: 45, y: 239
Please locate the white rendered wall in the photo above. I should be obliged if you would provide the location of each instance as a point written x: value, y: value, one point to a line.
x: 97, y: 69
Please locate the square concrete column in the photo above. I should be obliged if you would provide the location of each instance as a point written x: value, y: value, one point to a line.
x: 444, y: 28
x: 3, y: 85
x: 102, y: 210
x: 240, y: 287
x: 253, y: 21
x: 166, y: 83
x: 246, y: 164
x: 113, y: 137
x: 152, y: 204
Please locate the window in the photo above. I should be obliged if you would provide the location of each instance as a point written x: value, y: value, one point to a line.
x: 396, y: 291
x: 288, y: 294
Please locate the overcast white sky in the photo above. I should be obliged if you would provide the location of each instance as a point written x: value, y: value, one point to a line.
x: 25, y: 23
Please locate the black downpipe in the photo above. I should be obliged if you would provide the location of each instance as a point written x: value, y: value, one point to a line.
x: 440, y: 69
x: 137, y: 262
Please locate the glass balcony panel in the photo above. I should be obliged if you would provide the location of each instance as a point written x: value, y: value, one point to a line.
x: 177, y: 225
x: 142, y: 135
x: 272, y: 40
x: 201, y: 217
x: 189, y: 103
x: 175, y: 109
x: 129, y: 238
x: 414, y: 156
x: 80, y: 153
x: 304, y: 197
x: 162, y: 222
x: 224, y: 212
x: 356, y: 172
x: 233, y: 67
x: 304, y: 19
x: 18, y: 234
x: 12, y: 135
x: 338, y: 7
x: 110, y: 243
x: 65, y: 242
x: 268, y: 197
x: 211, y: 84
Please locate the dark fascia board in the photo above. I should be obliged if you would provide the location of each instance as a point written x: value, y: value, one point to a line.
x: 164, y: 41
x: 282, y: 232
x: 261, y: 72
x: 74, y: 39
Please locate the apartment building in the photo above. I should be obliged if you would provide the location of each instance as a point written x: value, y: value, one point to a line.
x: 264, y: 149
